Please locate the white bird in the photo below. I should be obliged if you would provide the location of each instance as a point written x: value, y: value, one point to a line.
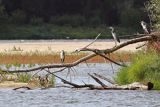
x: 144, y: 26
x: 62, y: 56
x: 116, y: 39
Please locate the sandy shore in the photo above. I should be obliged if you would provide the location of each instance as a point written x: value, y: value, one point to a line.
x: 11, y: 84
x: 58, y: 45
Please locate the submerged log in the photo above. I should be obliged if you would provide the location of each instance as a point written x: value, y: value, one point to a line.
x: 104, y: 78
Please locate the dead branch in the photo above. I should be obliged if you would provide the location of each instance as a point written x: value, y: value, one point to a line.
x: 93, y: 41
x: 132, y: 41
x: 104, y: 51
x: 23, y: 87
x: 133, y: 86
x: 110, y: 59
x: 78, y: 50
x: 104, y: 78
x: 60, y: 70
x: 70, y: 83
x: 98, y: 81
x: 141, y: 46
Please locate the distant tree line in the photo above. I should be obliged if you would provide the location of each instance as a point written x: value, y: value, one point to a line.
x: 75, y: 12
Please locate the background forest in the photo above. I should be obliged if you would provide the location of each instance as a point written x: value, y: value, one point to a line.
x: 61, y: 19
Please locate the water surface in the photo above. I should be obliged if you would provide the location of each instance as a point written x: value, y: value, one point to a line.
x: 67, y: 97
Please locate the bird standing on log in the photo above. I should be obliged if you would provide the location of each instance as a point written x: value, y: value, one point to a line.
x: 116, y: 39
x: 144, y: 26
x: 62, y: 56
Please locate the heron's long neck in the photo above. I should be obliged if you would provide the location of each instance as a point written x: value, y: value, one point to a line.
x: 112, y: 30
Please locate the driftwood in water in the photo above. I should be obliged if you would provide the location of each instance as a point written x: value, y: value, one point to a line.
x: 98, y: 52
x: 98, y: 80
x: 104, y: 78
x: 23, y: 87
x: 133, y: 86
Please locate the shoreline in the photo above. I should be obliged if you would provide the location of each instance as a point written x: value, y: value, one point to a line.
x: 47, y: 51
x: 58, y: 45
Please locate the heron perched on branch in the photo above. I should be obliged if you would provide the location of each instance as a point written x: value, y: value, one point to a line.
x: 144, y: 26
x: 116, y: 39
x: 62, y: 56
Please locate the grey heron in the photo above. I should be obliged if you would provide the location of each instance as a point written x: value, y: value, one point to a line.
x: 116, y: 39
x: 62, y: 56
x: 144, y: 26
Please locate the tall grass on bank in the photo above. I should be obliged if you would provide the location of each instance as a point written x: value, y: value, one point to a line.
x: 144, y: 67
x: 24, y: 77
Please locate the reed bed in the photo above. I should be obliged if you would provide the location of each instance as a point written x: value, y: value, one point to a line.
x: 50, y: 58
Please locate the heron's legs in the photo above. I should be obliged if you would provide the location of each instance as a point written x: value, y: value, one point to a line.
x: 115, y: 43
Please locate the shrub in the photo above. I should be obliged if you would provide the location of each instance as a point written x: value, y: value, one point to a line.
x: 24, y: 77
x: 144, y: 68
x: 152, y: 7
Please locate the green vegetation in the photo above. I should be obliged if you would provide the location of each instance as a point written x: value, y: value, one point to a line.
x: 60, y: 19
x: 24, y: 77
x: 48, y: 31
x: 52, y: 80
x: 153, y: 9
x: 30, y: 78
x: 144, y: 67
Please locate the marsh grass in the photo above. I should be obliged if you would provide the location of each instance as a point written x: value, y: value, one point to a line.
x: 32, y: 59
x: 144, y: 67
x: 33, y: 81
x: 29, y: 77
x: 52, y: 80
x: 24, y: 77
x: 38, y: 57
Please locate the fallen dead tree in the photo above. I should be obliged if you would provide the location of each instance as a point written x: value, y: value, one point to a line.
x: 95, y: 52
x: 132, y: 86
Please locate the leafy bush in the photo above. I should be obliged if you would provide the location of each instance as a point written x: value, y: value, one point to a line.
x: 144, y: 67
x: 153, y: 9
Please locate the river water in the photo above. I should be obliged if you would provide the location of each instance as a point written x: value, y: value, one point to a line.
x: 68, y: 97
